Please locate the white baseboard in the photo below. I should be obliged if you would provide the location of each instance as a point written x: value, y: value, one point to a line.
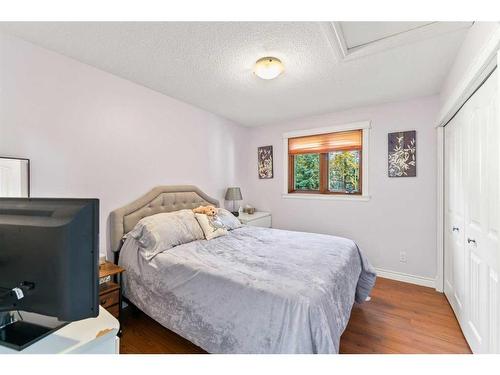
x: 407, y: 278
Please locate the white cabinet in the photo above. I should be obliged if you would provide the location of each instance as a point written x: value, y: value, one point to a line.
x: 472, y: 226
x: 257, y: 219
x: 87, y: 336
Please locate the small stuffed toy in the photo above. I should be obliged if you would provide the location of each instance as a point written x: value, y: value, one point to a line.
x: 205, y: 210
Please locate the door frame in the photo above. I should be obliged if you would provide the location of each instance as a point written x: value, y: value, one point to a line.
x: 480, y: 68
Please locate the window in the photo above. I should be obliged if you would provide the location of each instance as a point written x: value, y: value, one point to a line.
x: 343, y: 171
x: 329, y: 163
x: 306, y: 167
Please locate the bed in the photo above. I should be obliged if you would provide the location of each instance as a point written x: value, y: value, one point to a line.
x: 255, y: 290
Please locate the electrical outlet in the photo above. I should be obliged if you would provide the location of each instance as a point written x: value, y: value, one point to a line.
x: 402, y: 256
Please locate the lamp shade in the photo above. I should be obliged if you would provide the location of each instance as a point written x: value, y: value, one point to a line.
x: 233, y: 194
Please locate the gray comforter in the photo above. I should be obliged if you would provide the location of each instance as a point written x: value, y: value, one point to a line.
x: 256, y: 290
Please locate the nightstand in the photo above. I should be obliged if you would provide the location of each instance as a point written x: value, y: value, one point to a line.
x: 110, y: 288
x: 257, y: 219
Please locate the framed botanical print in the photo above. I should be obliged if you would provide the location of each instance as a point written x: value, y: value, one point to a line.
x: 265, y: 162
x: 402, y: 158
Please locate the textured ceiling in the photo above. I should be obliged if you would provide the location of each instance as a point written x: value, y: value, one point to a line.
x: 210, y: 64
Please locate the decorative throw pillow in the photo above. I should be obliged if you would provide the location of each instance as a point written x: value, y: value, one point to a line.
x: 229, y: 221
x: 160, y: 232
x: 211, y: 225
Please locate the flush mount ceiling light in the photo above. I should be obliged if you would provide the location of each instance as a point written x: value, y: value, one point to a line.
x: 268, y: 68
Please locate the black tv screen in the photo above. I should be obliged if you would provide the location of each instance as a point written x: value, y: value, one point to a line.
x: 52, y: 243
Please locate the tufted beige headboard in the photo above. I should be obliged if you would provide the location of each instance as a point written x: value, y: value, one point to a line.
x: 160, y: 199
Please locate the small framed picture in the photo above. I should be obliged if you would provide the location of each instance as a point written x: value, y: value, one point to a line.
x: 265, y: 162
x: 402, y: 154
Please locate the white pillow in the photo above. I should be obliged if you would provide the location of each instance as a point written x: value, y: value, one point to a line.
x: 160, y: 232
x: 211, y: 225
x: 228, y: 219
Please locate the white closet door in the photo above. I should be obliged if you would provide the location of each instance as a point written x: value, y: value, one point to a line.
x: 481, y: 217
x: 454, y: 215
x: 472, y: 227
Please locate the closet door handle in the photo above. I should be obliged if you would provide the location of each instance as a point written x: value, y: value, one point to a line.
x: 455, y: 229
x: 470, y: 240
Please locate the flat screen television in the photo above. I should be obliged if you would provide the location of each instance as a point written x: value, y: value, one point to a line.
x: 49, y: 250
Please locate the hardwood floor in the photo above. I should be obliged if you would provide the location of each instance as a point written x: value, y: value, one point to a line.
x: 143, y: 335
x: 400, y: 318
x: 403, y: 318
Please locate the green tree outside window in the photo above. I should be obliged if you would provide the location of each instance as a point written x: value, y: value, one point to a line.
x: 343, y: 171
x: 307, y: 172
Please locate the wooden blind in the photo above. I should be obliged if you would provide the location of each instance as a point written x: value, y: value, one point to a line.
x: 320, y: 143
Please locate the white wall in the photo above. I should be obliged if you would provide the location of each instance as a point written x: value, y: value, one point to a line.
x: 476, y: 39
x: 401, y: 214
x: 92, y: 134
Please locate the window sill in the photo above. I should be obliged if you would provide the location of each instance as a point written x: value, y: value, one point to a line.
x: 328, y: 197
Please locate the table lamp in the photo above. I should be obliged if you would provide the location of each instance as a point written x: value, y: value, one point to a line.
x: 234, y: 194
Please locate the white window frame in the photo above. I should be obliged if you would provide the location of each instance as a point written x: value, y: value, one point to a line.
x: 365, y: 126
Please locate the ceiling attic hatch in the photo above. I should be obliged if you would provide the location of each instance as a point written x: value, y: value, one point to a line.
x: 353, y: 40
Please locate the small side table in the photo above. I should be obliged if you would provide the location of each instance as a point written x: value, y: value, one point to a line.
x: 257, y: 219
x: 110, y: 289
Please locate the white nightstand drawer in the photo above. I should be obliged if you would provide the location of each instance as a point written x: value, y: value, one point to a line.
x: 257, y: 219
